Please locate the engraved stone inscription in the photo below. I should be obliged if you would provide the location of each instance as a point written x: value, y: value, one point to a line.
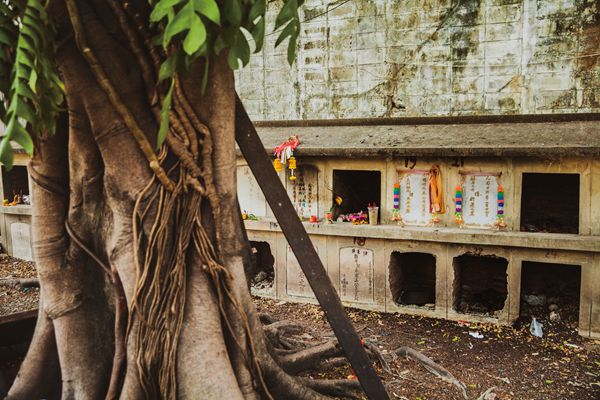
x: 356, y: 274
x: 414, y: 198
x: 296, y: 282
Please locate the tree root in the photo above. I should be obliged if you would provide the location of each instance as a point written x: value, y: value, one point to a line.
x: 20, y: 283
x: 309, y: 358
x: 341, y: 388
x: 432, y: 367
x: 373, y: 350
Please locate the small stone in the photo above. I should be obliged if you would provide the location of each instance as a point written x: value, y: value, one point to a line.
x: 261, y: 276
x: 535, y: 299
x: 552, y: 307
x: 554, y: 316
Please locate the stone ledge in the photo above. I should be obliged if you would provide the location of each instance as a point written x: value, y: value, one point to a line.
x: 551, y: 241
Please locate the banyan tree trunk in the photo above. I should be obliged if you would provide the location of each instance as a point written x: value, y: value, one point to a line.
x: 141, y: 256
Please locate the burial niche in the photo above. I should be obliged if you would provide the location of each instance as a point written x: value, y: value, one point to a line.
x: 412, y: 279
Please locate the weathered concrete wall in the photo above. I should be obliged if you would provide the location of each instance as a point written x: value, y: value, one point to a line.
x: 384, y: 58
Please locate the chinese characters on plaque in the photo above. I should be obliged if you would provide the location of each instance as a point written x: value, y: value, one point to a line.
x: 304, y: 191
x: 480, y: 204
x: 356, y: 275
x: 414, y: 198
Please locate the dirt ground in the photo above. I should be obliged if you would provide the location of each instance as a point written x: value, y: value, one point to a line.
x: 559, y: 366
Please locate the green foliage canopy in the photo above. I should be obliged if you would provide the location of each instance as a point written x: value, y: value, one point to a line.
x: 32, y: 95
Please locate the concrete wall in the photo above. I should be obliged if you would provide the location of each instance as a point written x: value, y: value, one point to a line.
x: 384, y: 58
x: 364, y: 281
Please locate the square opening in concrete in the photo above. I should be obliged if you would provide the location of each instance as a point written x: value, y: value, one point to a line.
x: 263, y: 274
x: 550, y: 203
x: 550, y: 292
x: 412, y: 279
x: 357, y: 189
x: 15, y: 182
x: 480, y: 284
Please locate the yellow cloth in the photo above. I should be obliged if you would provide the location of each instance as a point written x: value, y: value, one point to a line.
x: 436, y: 191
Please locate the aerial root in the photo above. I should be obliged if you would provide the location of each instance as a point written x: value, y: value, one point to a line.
x: 20, y: 283
x: 432, y: 367
x: 309, y: 358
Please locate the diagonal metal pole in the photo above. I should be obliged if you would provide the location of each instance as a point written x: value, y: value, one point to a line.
x: 260, y: 165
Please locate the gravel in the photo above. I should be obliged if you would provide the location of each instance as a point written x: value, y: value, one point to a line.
x: 17, y: 300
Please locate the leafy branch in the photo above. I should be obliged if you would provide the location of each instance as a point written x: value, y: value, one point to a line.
x: 35, y: 95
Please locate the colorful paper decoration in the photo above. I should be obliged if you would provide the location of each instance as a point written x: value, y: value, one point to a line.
x: 458, y: 199
x: 396, y: 216
x: 500, y: 213
x: 396, y: 196
x: 285, y: 152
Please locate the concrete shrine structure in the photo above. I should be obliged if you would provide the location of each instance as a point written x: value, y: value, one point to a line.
x: 547, y: 167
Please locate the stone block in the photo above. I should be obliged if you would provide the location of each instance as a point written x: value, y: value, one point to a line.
x: 503, y: 32
x: 373, y: 55
x: 344, y: 106
x: 555, y: 99
x: 502, y: 102
x: 471, y: 102
x: 551, y: 81
x: 370, y: 40
x: 504, y: 84
x: 504, y: 13
x: 401, y: 54
x: 343, y: 11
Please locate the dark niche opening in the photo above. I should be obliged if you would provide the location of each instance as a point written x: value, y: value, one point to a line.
x: 263, y: 274
x: 550, y: 292
x: 357, y: 189
x: 480, y: 284
x: 15, y: 182
x: 550, y: 203
x: 412, y: 279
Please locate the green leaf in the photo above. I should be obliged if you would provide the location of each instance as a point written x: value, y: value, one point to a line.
x: 291, y: 52
x: 287, y: 12
x: 195, y: 37
x: 289, y: 30
x: 33, y: 80
x: 6, y: 39
x: 21, y: 136
x: 164, y: 116
x: 181, y: 22
x: 240, y: 50
x: 167, y: 68
x: 233, y: 12
x: 209, y: 9
x: 258, y: 33
x: 162, y: 8
x: 232, y: 59
x: 257, y: 10
x: 6, y: 153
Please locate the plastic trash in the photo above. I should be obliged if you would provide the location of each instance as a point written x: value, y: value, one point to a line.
x: 476, y: 335
x: 536, y: 328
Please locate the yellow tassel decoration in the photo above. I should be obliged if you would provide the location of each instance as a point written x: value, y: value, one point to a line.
x: 277, y: 165
x: 292, y: 167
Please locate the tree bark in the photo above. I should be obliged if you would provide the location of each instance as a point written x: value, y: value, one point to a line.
x: 154, y: 241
